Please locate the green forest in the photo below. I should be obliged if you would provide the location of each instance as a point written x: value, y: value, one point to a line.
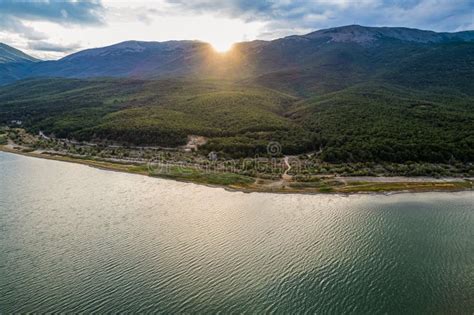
x: 368, y: 122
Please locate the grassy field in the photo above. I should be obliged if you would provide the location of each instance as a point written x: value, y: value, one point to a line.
x: 407, y: 186
x: 203, y: 177
x: 252, y: 184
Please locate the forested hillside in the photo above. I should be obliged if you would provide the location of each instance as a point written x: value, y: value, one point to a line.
x: 388, y: 123
x: 367, y: 122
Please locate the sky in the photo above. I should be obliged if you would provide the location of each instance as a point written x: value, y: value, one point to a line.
x: 50, y: 29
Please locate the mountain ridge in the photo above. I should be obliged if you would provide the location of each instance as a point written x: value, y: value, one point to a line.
x: 366, y: 33
x: 128, y: 46
x: 318, y: 62
x: 9, y: 54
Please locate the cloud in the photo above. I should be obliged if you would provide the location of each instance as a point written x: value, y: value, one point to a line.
x: 287, y: 16
x: 52, y: 47
x: 268, y: 9
x: 14, y: 13
x: 58, y: 11
x: 18, y: 18
x: 10, y: 24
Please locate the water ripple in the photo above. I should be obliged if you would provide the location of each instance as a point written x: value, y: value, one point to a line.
x: 76, y: 239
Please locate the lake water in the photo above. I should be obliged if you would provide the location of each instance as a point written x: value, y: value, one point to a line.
x: 75, y: 238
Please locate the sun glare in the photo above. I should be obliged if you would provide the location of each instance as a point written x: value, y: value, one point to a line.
x: 222, y: 47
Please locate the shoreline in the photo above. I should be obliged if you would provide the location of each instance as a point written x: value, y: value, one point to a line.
x: 372, y: 185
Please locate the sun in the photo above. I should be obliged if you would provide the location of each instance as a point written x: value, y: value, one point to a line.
x: 222, y: 46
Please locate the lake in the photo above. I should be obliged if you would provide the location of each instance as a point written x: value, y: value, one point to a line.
x: 79, y: 239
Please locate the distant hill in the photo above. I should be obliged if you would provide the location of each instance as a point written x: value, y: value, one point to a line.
x: 322, y: 61
x: 128, y: 59
x: 14, y: 64
x: 333, y: 59
x: 364, y: 34
x: 11, y: 55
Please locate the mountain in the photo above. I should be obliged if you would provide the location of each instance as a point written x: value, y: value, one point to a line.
x: 128, y: 59
x: 11, y: 55
x: 333, y: 59
x: 14, y: 64
x: 363, y: 34
x: 322, y: 61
